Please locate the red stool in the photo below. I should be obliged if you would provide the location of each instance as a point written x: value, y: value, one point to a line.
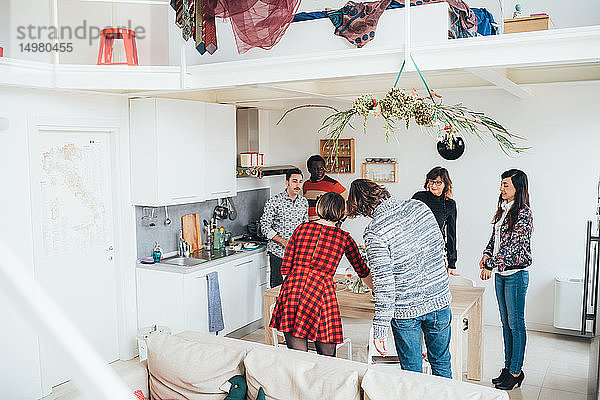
x: 107, y: 39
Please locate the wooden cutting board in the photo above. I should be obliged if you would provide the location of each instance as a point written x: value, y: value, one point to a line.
x: 192, y: 230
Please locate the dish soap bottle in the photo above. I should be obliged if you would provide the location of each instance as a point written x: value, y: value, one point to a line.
x: 157, y: 252
x: 222, y: 237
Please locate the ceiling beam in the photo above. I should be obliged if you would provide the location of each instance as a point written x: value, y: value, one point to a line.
x: 501, y: 81
x: 301, y: 93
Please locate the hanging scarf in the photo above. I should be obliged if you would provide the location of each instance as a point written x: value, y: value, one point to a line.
x: 357, y: 21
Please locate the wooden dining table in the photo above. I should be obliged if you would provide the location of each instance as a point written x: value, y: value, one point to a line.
x: 466, y: 304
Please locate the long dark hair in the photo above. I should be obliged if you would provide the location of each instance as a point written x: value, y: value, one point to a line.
x: 519, y: 181
x: 364, y: 196
x: 444, y: 176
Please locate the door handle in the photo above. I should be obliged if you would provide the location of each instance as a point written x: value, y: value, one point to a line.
x: 586, y: 278
x: 244, y: 263
x: 110, y: 248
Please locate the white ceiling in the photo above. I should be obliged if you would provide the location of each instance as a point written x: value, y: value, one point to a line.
x: 343, y: 90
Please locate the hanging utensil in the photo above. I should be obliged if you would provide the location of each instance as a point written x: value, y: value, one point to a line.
x: 220, y: 212
x: 232, y: 210
x: 167, y: 219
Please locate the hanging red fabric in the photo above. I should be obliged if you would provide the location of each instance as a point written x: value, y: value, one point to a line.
x: 255, y: 23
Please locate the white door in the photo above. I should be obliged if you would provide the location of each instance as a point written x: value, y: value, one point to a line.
x: 238, y: 281
x: 195, y: 288
x: 73, y: 236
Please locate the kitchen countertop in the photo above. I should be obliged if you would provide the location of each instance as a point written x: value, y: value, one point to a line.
x: 203, y: 266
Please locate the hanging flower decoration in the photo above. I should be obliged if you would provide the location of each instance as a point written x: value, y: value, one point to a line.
x: 446, y: 121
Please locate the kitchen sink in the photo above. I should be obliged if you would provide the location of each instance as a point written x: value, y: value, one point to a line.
x: 183, y: 261
x: 209, y: 255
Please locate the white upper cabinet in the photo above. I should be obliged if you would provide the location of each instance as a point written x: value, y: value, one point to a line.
x: 220, y: 144
x: 171, y: 161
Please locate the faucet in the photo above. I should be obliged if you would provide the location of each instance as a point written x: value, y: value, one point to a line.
x: 183, y: 248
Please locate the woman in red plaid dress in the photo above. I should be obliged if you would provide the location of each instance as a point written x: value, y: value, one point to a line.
x: 307, y: 307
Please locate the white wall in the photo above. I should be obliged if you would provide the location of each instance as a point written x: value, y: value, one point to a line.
x: 19, y: 369
x: 563, y: 166
x: 320, y: 34
x: 424, y: 25
x: 149, y: 21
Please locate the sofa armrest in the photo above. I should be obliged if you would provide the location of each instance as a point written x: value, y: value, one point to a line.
x: 132, y: 372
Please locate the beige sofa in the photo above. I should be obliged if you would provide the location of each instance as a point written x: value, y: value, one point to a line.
x: 193, y: 366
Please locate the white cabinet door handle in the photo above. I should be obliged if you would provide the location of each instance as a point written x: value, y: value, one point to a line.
x: 184, y: 197
x: 244, y: 263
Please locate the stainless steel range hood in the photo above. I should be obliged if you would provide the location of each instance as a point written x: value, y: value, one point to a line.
x: 248, y: 141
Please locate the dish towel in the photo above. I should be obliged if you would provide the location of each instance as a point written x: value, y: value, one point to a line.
x: 215, y: 311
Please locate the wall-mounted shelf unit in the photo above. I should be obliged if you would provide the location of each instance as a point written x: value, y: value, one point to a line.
x: 380, y: 171
x: 338, y: 160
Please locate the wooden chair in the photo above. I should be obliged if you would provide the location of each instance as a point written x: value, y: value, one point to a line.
x: 279, y: 339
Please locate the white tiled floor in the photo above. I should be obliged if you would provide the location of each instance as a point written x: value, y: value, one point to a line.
x: 555, y: 366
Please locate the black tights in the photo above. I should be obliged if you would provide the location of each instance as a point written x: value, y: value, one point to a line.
x: 298, y: 343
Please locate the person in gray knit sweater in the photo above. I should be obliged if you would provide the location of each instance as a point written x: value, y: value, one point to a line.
x: 405, y: 251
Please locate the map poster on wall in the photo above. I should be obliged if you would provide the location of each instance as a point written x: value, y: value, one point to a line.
x: 73, y: 187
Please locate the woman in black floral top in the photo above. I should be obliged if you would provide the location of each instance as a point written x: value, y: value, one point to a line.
x: 509, y: 253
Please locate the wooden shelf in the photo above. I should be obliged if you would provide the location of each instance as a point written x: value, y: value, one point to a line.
x: 380, y: 171
x: 527, y: 24
x: 341, y: 157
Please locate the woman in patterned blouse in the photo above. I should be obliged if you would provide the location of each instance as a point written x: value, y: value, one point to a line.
x: 307, y: 307
x: 509, y: 252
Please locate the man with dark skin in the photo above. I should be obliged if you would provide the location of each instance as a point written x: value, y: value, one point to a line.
x: 319, y: 184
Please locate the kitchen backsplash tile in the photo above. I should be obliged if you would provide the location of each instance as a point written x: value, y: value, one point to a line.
x: 249, y: 206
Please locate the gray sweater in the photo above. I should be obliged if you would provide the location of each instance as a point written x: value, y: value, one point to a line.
x: 405, y: 249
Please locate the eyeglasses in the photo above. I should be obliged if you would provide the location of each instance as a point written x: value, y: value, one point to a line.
x: 435, y: 183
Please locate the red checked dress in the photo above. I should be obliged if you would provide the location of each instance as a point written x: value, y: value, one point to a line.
x: 307, y: 305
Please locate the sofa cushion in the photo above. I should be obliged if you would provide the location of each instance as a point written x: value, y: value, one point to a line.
x: 186, y: 369
x: 397, y: 384
x: 284, y: 376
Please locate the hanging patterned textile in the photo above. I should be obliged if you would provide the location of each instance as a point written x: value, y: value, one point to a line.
x: 188, y: 26
x: 255, y: 23
x: 177, y: 5
x: 206, y: 30
x: 363, y: 18
x: 357, y: 21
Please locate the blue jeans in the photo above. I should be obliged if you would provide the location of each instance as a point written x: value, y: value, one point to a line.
x: 436, y: 330
x: 510, y: 292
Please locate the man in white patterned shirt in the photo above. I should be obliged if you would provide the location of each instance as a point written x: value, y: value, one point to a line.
x: 282, y: 215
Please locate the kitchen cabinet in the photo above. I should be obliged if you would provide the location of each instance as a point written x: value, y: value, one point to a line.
x: 182, y: 151
x: 221, y: 157
x: 241, y: 291
x: 180, y: 300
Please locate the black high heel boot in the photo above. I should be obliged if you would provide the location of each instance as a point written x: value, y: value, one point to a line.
x: 510, y: 381
x: 500, y: 377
